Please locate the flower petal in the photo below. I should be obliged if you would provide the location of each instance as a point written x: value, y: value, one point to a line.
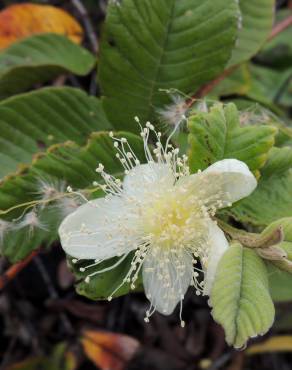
x: 233, y: 177
x: 221, y: 184
x: 100, y: 229
x: 218, y: 245
x: 166, y: 278
x: 144, y: 179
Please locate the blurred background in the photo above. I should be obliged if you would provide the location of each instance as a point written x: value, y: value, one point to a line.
x: 45, y: 325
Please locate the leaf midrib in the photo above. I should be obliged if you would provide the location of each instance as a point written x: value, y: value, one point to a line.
x: 159, y: 63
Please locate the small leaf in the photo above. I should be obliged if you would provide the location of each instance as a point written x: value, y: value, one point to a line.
x: 22, y: 20
x: 267, y: 85
x: 149, y: 45
x: 240, y: 297
x: 281, y: 281
x: 101, y: 286
x: 217, y: 134
x: 38, y: 59
x: 272, y: 198
x: 256, y: 24
x: 109, y: 350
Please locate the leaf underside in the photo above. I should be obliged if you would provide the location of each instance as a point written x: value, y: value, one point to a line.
x: 240, y: 297
x: 38, y: 59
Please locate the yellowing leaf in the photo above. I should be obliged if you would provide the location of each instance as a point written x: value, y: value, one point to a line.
x: 281, y: 343
x: 22, y: 20
x: 109, y: 350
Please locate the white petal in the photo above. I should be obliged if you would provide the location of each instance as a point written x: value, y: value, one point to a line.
x: 234, y: 178
x: 166, y: 278
x: 218, y: 245
x: 100, y: 229
x: 144, y: 179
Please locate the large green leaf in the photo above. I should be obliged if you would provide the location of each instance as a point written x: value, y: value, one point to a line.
x: 66, y: 162
x: 240, y: 297
x: 217, y: 134
x: 150, y: 45
x: 256, y: 22
x: 39, y: 59
x: 272, y: 198
x: 29, y: 123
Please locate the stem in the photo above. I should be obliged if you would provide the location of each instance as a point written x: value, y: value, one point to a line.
x: 233, y: 231
x: 253, y: 240
x: 204, y: 90
x: 12, y: 271
x: 87, y: 24
x: 280, y: 27
x: 52, y: 292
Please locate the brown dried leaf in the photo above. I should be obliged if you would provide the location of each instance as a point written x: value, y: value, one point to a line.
x: 109, y: 351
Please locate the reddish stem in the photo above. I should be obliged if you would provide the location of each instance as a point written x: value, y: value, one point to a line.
x: 281, y: 26
x: 15, y: 269
x: 206, y: 89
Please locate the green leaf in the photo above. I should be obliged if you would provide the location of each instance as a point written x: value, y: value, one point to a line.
x: 240, y: 297
x: 30, y: 123
x: 67, y: 163
x: 256, y: 24
x: 39, y: 59
x: 272, y: 198
x: 267, y: 85
x: 101, y: 286
x: 150, y: 45
x: 217, y: 134
x: 238, y: 82
x: 279, y: 162
x: 277, y: 53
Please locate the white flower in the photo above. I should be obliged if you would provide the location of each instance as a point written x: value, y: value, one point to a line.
x: 162, y: 213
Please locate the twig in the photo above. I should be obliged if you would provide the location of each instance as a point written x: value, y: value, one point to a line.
x: 87, y: 24
x: 280, y: 27
x: 11, y: 273
x: 53, y: 292
x: 220, y: 361
x: 211, y: 85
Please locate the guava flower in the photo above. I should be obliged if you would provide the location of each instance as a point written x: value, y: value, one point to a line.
x: 161, y: 214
